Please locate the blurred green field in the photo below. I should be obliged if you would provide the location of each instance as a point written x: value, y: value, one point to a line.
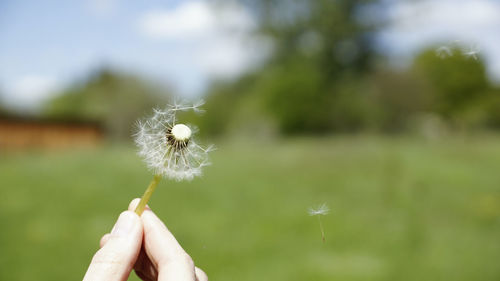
x: 402, y: 209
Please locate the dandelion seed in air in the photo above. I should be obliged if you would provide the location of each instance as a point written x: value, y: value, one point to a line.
x: 471, y: 51
x: 168, y: 147
x: 444, y: 52
x: 322, y: 210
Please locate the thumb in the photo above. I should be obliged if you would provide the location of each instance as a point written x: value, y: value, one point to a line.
x: 115, y: 260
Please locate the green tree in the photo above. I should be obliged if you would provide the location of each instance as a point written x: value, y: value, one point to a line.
x: 491, y: 106
x: 320, y: 50
x: 318, y: 55
x: 396, y: 98
x: 458, y: 84
x: 224, y: 101
x: 114, y: 99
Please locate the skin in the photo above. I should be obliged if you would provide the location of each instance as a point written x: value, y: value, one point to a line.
x: 143, y: 244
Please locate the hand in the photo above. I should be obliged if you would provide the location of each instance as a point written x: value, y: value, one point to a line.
x: 145, y: 245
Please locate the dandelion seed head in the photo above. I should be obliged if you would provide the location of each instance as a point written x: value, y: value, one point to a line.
x: 321, y: 210
x: 168, y: 147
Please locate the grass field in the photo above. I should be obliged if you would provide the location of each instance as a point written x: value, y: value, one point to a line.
x: 402, y: 209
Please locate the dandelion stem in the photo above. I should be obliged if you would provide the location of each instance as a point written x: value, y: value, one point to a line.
x: 147, y: 194
x: 321, y: 227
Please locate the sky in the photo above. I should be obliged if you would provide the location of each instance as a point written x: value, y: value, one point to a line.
x: 46, y: 45
x: 473, y: 24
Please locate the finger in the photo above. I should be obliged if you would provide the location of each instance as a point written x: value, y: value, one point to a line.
x: 144, y: 268
x: 104, y: 239
x: 200, y: 274
x: 131, y: 207
x: 172, y: 262
x: 114, y: 261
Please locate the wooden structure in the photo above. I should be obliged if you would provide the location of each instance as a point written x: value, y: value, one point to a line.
x: 25, y: 133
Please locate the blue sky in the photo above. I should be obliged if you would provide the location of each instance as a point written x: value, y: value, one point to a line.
x: 47, y: 44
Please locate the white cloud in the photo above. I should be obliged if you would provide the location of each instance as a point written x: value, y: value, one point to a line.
x: 417, y: 24
x: 217, y: 39
x: 196, y: 19
x: 29, y: 91
x: 190, y: 20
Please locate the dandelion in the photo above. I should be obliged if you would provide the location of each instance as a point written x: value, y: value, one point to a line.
x: 322, y: 210
x: 471, y: 51
x: 444, y: 52
x: 168, y: 147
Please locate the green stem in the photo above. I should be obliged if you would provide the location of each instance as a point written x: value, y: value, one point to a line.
x: 321, y: 227
x: 147, y: 194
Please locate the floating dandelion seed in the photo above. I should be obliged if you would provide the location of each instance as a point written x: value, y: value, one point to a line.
x: 322, y: 210
x: 168, y: 147
x: 471, y: 51
x: 444, y: 52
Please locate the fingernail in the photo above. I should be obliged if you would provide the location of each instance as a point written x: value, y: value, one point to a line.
x: 123, y: 225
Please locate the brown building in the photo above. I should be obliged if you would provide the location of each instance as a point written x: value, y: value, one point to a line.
x: 22, y: 133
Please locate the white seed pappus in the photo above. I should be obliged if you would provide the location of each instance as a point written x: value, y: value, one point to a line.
x: 168, y: 147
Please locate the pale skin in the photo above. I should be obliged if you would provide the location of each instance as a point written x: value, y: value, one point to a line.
x: 143, y: 244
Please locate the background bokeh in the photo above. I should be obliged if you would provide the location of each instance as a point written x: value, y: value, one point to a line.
x: 387, y: 111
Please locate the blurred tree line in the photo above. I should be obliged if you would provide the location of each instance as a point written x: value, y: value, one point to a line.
x: 310, y: 84
x: 324, y: 76
x: 109, y: 97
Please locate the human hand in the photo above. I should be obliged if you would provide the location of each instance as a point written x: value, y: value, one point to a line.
x: 145, y: 245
